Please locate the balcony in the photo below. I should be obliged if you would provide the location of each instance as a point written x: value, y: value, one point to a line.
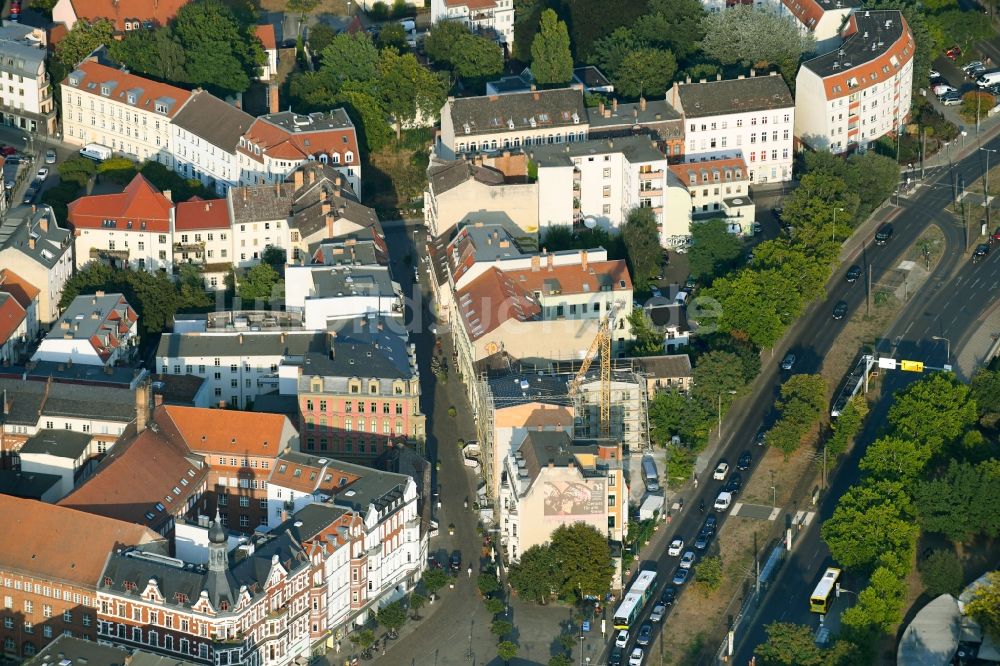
x: 651, y: 193
x: 103, y: 253
x: 650, y: 175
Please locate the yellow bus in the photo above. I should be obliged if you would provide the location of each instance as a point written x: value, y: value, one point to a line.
x: 819, y: 601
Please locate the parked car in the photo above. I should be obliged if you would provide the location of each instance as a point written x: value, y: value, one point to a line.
x: 972, y: 64
x: 669, y: 596
x: 853, y: 273
x: 711, y: 523
x: 975, y: 72
x: 981, y: 252
x: 7, y: 151
x: 9, y: 185
x: 675, y: 547
x: 934, y: 74
x: 721, y: 470
x: 42, y: 174
x: 680, y: 576
x: 688, y: 560
x: 995, y: 237
x: 950, y: 99
x: 743, y: 464
x: 723, y: 501
x: 760, y: 439
x: 621, y: 640
x: 703, y: 540
x: 50, y: 156
x: 883, y: 235
x: 659, y: 610
x: 635, y: 659
x: 788, y: 362
x: 30, y: 194
x: 954, y: 52
x: 942, y: 87
x: 616, y: 656
x: 645, y: 634
x: 840, y: 310
x: 455, y: 562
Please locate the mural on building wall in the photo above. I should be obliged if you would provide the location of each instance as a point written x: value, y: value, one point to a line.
x: 565, y: 499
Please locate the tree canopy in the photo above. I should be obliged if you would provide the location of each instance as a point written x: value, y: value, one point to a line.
x: 985, y: 604
x: 646, y: 72
x: 752, y: 36
x: 934, y: 411
x: 222, y: 53
x: 534, y: 576
x: 961, y: 502
x: 551, y: 61
x: 260, y: 282
x: 895, y: 459
x: 407, y: 89
x: 941, y: 573
x: 583, y: 558
x: 642, y: 243
x: 452, y: 44
x: 714, y: 251
x: 350, y: 57
x: 80, y: 42
x: 870, y: 519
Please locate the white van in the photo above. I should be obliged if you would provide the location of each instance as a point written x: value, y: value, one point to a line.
x: 723, y: 501
x: 988, y: 79
x: 650, y: 475
x: 96, y: 151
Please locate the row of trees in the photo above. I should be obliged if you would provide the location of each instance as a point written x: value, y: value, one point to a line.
x: 372, y: 84
x: 801, y: 405
x: 208, y: 44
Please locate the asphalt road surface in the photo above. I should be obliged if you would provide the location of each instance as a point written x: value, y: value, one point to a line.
x: 945, y: 307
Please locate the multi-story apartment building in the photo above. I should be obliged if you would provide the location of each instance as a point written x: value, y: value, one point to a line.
x: 495, y: 123
x: 326, y: 294
x: 464, y: 191
x: 652, y: 117
x: 849, y: 97
x: 145, y: 14
x: 127, y: 113
x: 97, y: 329
x: 598, y: 183
x: 240, y: 456
x: 202, y: 235
x: 132, y: 229
x: 277, y: 144
x: 393, y: 548
x: 751, y: 117
x: 361, y: 395
x: 236, y: 366
x: 26, y: 295
x: 629, y: 408
x: 26, y: 99
x: 205, y: 135
x: 250, y: 607
x: 51, y: 559
x: 33, y: 245
x: 490, y: 17
x: 713, y: 188
x: 18, y: 316
x: 551, y: 480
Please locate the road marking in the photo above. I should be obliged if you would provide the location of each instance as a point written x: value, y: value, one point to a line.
x: 973, y: 285
x: 775, y: 512
x: 737, y: 507
x: 908, y: 328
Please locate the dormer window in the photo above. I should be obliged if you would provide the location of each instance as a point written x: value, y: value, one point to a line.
x: 131, y: 98
x: 161, y: 108
x: 348, y: 157
x: 105, y: 90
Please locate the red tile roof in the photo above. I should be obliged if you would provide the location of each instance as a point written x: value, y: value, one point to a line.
x: 141, y: 207
x: 158, y: 11
x: 196, y: 213
x: 309, y: 477
x: 151, y: 90
x: 574, y: 278
x: 212, y: 431
x: 58, y: 543
x: 491, y: 300
x: 278, y: 143
x: 265, y: 33
x: 141, y: 471
x: 11, y: 316
x: 472, y: 4
x: 806, y: 12
x: 731, y: 170
x: 18, y: 287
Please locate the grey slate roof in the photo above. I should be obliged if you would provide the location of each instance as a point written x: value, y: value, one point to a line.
x: 30, y: 400
x: 711, y: 98
x: 880, y: 28
x: 28, y: 59
x: 292, y: 343
x: 82, y: 324
x: 362, y: 349
x: 333, y: 119
x: 489, y: 115
x: 518, y: 389
x: 339, y: 253
x: 20, y: 224
x: 673, y: 365
x: 72, y: 651
x: 353, y: 280
x: 449, y: 175
x: 542, y: 447
x: 28, y: 485
x: 208, y: 117
x: 309, y: 521
x: 635, y: 148
x: 631, y: 114
x: 59, y: 443
x: 80, y: 373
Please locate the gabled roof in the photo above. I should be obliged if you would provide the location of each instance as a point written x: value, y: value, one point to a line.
x: 102, y: 319
x: 94, y: 78
x: 265, y: 33
x: 214, y: 431
x: 291, y: 136
x: 746, y: 95
x: 672, y: 365
x: 56, y: 542
x: 213, y: 120
x: 491, y: 300
x: 141, y: 207
x: 18, y: 287
x: 157, y: 11
x: 11, y: 316
x: 449, y: 175
x: 725, y: 169
x: 490, y: 114
x: 308, y: 474
x: 586, y: 277
x: 810, y: 12
x: 197, y: 214
x: 35, y: 234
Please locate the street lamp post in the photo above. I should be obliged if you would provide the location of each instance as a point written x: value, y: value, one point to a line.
x: 947, y: 348
x: 833, y: 231
x: 986, y: 182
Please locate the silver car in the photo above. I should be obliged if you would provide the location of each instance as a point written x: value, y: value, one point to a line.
x: 788, y: 362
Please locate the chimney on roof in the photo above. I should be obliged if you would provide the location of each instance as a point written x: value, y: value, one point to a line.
x: 332, y: 340
x: 298, y: 179
x: 338, y: 181
x: 600, y: 108
x: 31, y: 242
x: 329, y: 225
x: 142, y: 407
x: 99, y: 293
x: 536, y: 263
x: 583, y: 259
x: 168, y: 195
x: 718, y: 76
x: 614, y: 105
x: 272, y: 96
x: 33, y: 208
x: 43, y: 223
x: 687, y: 79
x: 240, y: 338
x: 533, y: 89
x: 208, y: 206
x: 549, y: 256
x: 312, y: 176
x: 642, y: 103
x: 753, y: 72
x: 322, y: 194
x: 536, y: 95
x: 324, y: 208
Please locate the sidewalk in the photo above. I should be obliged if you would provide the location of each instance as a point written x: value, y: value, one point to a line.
x: 979, y: 347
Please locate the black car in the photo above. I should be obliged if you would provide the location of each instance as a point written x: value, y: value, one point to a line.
x: 743, y: 464
x: 30, y: 194
x: 704, y: 539
x: 735, y: 484
x: 883, y: 234
x: 669, y: 596
x: 615, y: 658
x: 853, y: 273
x: 645, y: 634
x: 982, y: 251
x: 455, y: 562
x: 711, y: 523
x: 840, y: 310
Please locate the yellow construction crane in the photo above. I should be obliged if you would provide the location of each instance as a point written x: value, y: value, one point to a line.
x: 600, y: 345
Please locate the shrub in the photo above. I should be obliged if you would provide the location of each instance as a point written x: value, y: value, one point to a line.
x: 941, y: 573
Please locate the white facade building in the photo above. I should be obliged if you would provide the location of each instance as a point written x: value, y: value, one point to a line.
x: 99, y: 329
x: 204, y: 136
x: 26, y: 99
x: 486, y: 16
x: 851, y: 96
x: 35, y: 247
x: 717, y: 188
x: 326, y: 293
x: 750, y: 117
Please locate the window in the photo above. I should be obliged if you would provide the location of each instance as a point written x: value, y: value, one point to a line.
x: 607, y: 192
x: 29, y: 607
x: 244, y: 501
